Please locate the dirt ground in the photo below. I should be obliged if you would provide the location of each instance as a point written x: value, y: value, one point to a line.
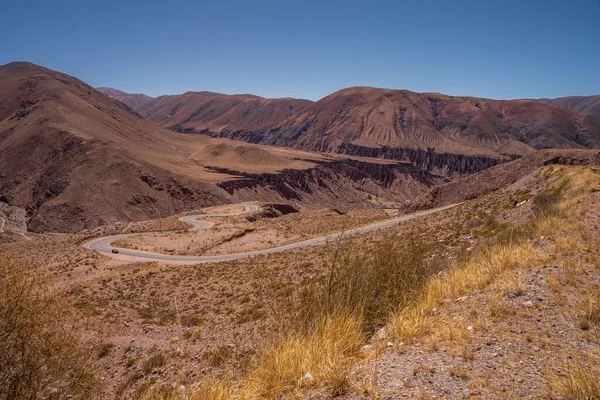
x: 158, y: 324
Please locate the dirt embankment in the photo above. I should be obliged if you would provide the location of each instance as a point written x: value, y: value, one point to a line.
x: 476, y: 185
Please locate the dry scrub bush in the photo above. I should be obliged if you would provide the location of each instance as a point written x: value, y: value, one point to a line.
x: 41, y: 352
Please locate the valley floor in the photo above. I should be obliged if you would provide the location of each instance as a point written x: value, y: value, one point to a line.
x: 506, y: 303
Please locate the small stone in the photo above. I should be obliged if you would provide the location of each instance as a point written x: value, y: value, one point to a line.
x: 470, y: 328
x: 390, y: 344
x: 466, y: 393
x: 528, y: 304
x: 307, y: 377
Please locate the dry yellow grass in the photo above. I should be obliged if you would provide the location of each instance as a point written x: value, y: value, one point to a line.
x: 578, y: 380
x: 476, y: 273
x: 510, y: 284
x: 211, y: 390
x: 298, y: 360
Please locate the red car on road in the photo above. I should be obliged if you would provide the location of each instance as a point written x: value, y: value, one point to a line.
x: 115, y: 251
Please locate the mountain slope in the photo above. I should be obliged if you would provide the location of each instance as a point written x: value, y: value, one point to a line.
x: 216, y: 112
x: 74, y: 158
x: 373, y: 118
x: 132, y: 100
x: 429, y: 130
x: 583, y: 104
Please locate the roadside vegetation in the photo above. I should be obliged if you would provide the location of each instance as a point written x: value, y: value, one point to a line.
x: 42, y: 354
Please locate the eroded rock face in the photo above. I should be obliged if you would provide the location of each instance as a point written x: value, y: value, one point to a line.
x: 346, y: 183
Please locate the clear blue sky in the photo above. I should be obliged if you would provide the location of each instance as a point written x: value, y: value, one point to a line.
x: 308, y: 49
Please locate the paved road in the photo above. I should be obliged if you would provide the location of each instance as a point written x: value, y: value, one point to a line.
x: 103, y: 244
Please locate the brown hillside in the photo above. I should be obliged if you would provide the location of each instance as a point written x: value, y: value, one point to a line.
x: 75, y: 159
x: 373, y: 118
x: 219, y: 112
x: 582, y: 104
x: 439, y: 133
x: 132, y: 100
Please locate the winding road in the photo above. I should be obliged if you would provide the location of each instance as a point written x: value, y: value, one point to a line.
x: 103, y: 244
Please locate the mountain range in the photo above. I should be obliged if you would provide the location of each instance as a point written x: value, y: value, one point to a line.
x: 386, y: 123
x: 75, y: 159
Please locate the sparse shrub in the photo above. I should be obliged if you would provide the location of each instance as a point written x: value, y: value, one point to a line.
x: 192, y: 320
x: 459, y: 372
x: 104, y: 349
x: 546, y: 203
x: 591, y: 310
x: 217, y: 357
x: 251, y: 314
x: 41, y: 350
x: 156, y: 361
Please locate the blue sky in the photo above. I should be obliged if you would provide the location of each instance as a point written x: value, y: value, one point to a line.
x: 308, y: 49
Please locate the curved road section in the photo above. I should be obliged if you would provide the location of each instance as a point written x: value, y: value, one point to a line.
x: 103, y: 244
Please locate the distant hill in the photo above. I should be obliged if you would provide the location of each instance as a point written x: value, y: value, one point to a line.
x: 134, y: 101
x: 212, y: 111
x: 582, y: 104
x: 431, y: 130
x: 371, y: 121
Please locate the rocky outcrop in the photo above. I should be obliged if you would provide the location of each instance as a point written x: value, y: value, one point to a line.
x: 446, y: 164
x: 348, y: 182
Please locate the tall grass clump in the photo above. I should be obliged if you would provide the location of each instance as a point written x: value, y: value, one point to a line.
x: 301, y: 359
x: 578, y: 379
x: 371, y: 285
x: 41, y: 353
x: 332, y: 316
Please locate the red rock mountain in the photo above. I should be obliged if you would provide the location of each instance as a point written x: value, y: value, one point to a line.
x: 371, y: 121
x: 220, y: 112
x: 396, y: 124
x: 74, y: 158
x: 582, y: 104
x: 132, y: 100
